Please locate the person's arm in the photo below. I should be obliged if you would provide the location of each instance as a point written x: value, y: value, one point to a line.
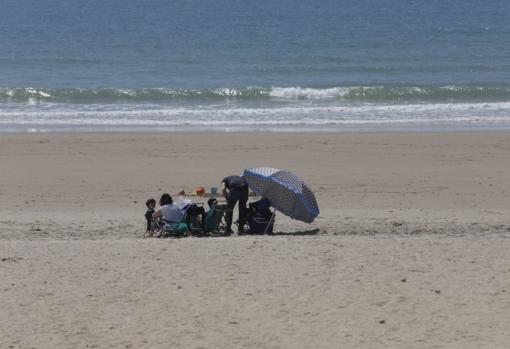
x: 157, y: 214
x: 225, y: 190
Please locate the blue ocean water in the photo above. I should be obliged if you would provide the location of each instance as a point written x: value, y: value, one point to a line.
x: 281, y: 65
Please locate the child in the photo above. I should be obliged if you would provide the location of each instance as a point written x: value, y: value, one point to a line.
x: 151, y: 205
x: 211, y: 202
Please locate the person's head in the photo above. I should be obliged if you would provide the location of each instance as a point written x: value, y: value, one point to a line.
x: 211, y: 202
x: 151, y: 204
x: 166, y: 199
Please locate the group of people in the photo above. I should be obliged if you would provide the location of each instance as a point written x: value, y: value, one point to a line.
x: 235, y: 190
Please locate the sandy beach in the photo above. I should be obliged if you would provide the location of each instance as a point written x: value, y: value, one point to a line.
x: 410, y: 249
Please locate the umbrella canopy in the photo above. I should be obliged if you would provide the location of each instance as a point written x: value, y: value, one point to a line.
x: 287, y: 193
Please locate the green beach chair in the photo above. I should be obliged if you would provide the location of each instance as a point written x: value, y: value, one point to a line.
x: 173, y: 229
x: 214, y: 222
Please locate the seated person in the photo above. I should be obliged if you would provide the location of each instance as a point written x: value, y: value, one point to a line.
x: 194, y: 215
x: 169, y: 213
x: 260, y: 217
x: 214, y: 216
x: 212, y: 202
x: 183, y: 204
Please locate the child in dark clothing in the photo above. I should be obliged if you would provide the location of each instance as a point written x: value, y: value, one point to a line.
x: 151, y: 205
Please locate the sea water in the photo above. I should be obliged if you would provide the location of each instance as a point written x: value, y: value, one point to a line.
x: 230, y: 65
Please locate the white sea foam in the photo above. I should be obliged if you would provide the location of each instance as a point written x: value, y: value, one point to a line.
x: 274, y: 118
x: 309, y: 93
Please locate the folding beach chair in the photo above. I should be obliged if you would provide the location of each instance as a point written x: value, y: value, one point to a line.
x: 172, y: 229
x: 191, y: 223
x: 214, y: 222
x: 260, y: 218
x: 194, y: 219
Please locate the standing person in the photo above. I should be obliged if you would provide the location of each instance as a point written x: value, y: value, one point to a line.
x: 151, y: 205
x: 235, y: 189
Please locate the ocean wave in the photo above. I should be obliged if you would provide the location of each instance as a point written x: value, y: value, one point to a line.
x: 127, y: 115
x: 112, y: 95
x: 348, y: 93
x: 393, y: 93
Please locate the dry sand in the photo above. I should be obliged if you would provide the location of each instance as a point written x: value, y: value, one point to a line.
x: 411, y: 249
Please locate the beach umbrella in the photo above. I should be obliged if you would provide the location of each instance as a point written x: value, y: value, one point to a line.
x: 286, y: 192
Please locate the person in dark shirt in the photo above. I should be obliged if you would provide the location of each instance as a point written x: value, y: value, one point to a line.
x: 151, y: 205
x: 235, y: 189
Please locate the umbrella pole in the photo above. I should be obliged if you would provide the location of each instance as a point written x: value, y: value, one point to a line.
x: 270, y: 222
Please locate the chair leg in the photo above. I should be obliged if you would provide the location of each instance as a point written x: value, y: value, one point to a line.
x: 270, y: 222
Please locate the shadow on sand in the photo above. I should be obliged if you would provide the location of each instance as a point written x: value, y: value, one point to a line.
x: 280, y: 233
x: 297, y: 233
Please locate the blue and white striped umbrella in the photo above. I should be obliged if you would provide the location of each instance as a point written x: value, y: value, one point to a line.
x: 287, y: 193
